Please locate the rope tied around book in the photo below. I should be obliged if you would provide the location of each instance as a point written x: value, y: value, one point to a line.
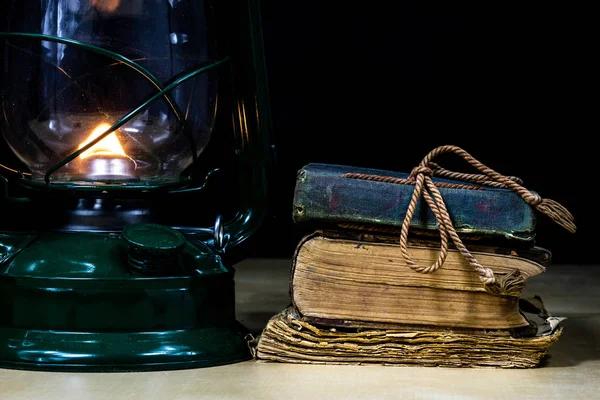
x: 421, y: 177
x: 489, y: 177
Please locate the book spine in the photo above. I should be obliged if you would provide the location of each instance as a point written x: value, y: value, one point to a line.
x: 323, y: 197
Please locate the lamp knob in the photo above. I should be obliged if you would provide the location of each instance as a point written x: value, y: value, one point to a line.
x: 153, y: 248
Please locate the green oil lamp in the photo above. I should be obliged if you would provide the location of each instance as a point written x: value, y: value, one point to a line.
x: 133, y: 166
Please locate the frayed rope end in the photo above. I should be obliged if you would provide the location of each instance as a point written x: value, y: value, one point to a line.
x: 508, y: 285
x: 558, y: 213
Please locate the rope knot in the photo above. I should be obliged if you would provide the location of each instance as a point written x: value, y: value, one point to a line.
x: 421, y: 169
x: 487, y: 276
x: 532, y: 198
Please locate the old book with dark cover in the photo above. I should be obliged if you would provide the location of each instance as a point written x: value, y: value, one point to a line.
x: 345, y: 279
x: 325, y: 197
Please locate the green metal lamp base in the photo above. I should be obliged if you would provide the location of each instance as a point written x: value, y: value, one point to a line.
x: 72, y: 302
x: 120, y: 352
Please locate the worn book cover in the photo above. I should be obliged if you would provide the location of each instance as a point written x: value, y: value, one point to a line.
x: 325, y: 196
x: 346, y: 279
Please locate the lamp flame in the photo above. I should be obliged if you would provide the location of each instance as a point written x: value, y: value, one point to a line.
x: 109, y: 146
x: 106, y: 5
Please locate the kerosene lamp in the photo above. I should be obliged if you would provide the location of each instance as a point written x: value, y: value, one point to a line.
x: 133, y: 169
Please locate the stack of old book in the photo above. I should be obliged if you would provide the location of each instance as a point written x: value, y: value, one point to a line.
x: 426, y: 268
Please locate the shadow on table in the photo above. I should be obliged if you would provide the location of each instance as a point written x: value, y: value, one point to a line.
x: 255, y: 321
x: 579, y: 342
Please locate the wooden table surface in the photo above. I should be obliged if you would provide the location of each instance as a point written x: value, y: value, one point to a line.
x: 572, y: 371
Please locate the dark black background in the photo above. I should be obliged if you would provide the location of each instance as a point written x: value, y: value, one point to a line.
x: 380, y: 83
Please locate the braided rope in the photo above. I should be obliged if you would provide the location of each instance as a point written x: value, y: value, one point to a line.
x: 480, y: 179
x: 421, y: 177
x: 406, y: 181
x: 433, y: 200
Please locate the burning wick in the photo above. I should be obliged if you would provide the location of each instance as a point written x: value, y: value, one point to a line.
x: 108, y: 6
x: 106, y: 160
x: 108, y: 146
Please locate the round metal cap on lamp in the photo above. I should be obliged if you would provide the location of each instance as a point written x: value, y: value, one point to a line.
x: 153, y: 248
x: 133, y: 169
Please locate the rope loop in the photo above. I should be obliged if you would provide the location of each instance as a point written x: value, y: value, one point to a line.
x: 421, y: 169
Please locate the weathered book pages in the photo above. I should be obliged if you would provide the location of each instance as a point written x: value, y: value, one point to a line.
x: 289, y: 338
x: 344, y: 282
x: 323, y: 197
